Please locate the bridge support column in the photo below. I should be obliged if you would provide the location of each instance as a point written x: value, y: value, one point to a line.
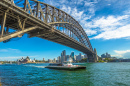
x: 3, y: 24
x: 91, y: 58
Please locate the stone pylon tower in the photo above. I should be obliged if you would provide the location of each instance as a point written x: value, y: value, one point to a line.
x: 93, y: 57
x: 96, y: 57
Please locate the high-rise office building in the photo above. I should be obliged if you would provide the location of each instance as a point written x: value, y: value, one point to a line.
x: 78, y: 58
x: 75, y: 57
x: 67, y: 57
x: 54, y: 60
x: 72, y: 56
x: 85, y: 56
x: 63, y: 54
x: 43, y: 59
x: 82, y: 56
x: 106, y: 55
x: 58, y: 59
x: 49, y: 60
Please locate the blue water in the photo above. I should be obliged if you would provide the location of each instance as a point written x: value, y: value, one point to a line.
x: 96, y: 74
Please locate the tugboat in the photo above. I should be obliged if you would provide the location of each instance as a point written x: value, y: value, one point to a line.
x: 67, y: 65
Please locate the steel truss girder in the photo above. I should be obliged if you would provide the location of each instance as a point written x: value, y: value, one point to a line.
x: 17, y: 33
x: 76, y: 32
x: 49, y: 14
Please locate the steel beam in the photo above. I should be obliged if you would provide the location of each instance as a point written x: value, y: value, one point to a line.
x: 3, y: 23
x: 47, y: 12
x: 17, y: 33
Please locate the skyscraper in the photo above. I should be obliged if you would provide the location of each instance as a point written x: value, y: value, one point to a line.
x: 59, y: 59
x: 72, y: 56
x: 43, y: 59
x: 106, y: 55
x: 85, y: 56
x: 67, y: 57
x: 78, y: 58
x: 49, y: 60
x: 54, y: 60
x: 63, y: 54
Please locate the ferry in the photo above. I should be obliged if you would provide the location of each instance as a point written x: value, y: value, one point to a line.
x: 67, y: 65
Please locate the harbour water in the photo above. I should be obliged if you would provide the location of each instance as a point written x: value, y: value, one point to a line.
x: 96, y: 74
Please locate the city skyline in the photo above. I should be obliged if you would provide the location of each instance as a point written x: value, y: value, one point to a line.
x: 63, y: 57
x: 101, y: 19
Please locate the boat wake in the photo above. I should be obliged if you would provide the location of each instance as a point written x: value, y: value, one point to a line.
x: 35, y: 66
x: 78, y: 63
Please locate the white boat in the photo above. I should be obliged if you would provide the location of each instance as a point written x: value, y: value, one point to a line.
x: 67, y: 65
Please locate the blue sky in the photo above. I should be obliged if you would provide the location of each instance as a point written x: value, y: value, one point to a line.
x: 106, y: 22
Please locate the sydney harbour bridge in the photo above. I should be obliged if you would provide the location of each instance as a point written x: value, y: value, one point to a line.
x: 38, y: 19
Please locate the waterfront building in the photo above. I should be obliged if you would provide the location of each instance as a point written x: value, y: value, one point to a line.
x: 26, y: 60
x: 106, y: 55
x: 63, y: 54
x: 78, y: 58
x: 72, y: 56
x: 103, y: 56
x: 59, y: 59
x: 124, y: 60
x: 43, y: 60
x: 85, y: 56
x: 82, y: 56
x: 67, y: 57
x: 54, y: 60
x: 49, y: 61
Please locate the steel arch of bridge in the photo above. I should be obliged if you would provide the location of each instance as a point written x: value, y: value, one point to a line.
x: 39, y: 15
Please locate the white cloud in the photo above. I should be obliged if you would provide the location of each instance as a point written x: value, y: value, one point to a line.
x: 122, y: 32
x: 10, y: 58
x: 3, y: 50
x: 108, y: 4
x: 66, y: 9
x: 77, y: 15
x: 89, y: 3
x: 14, y: 58
x: 121, y: 52
x: 109, y: 21
x: 10, y: 50
x: 110, y: 27
x: 127, y: 12
x: 116, y: 55
x: 90, y: 32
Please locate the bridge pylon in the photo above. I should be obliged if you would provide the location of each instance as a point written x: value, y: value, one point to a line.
x: 93, y: 57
